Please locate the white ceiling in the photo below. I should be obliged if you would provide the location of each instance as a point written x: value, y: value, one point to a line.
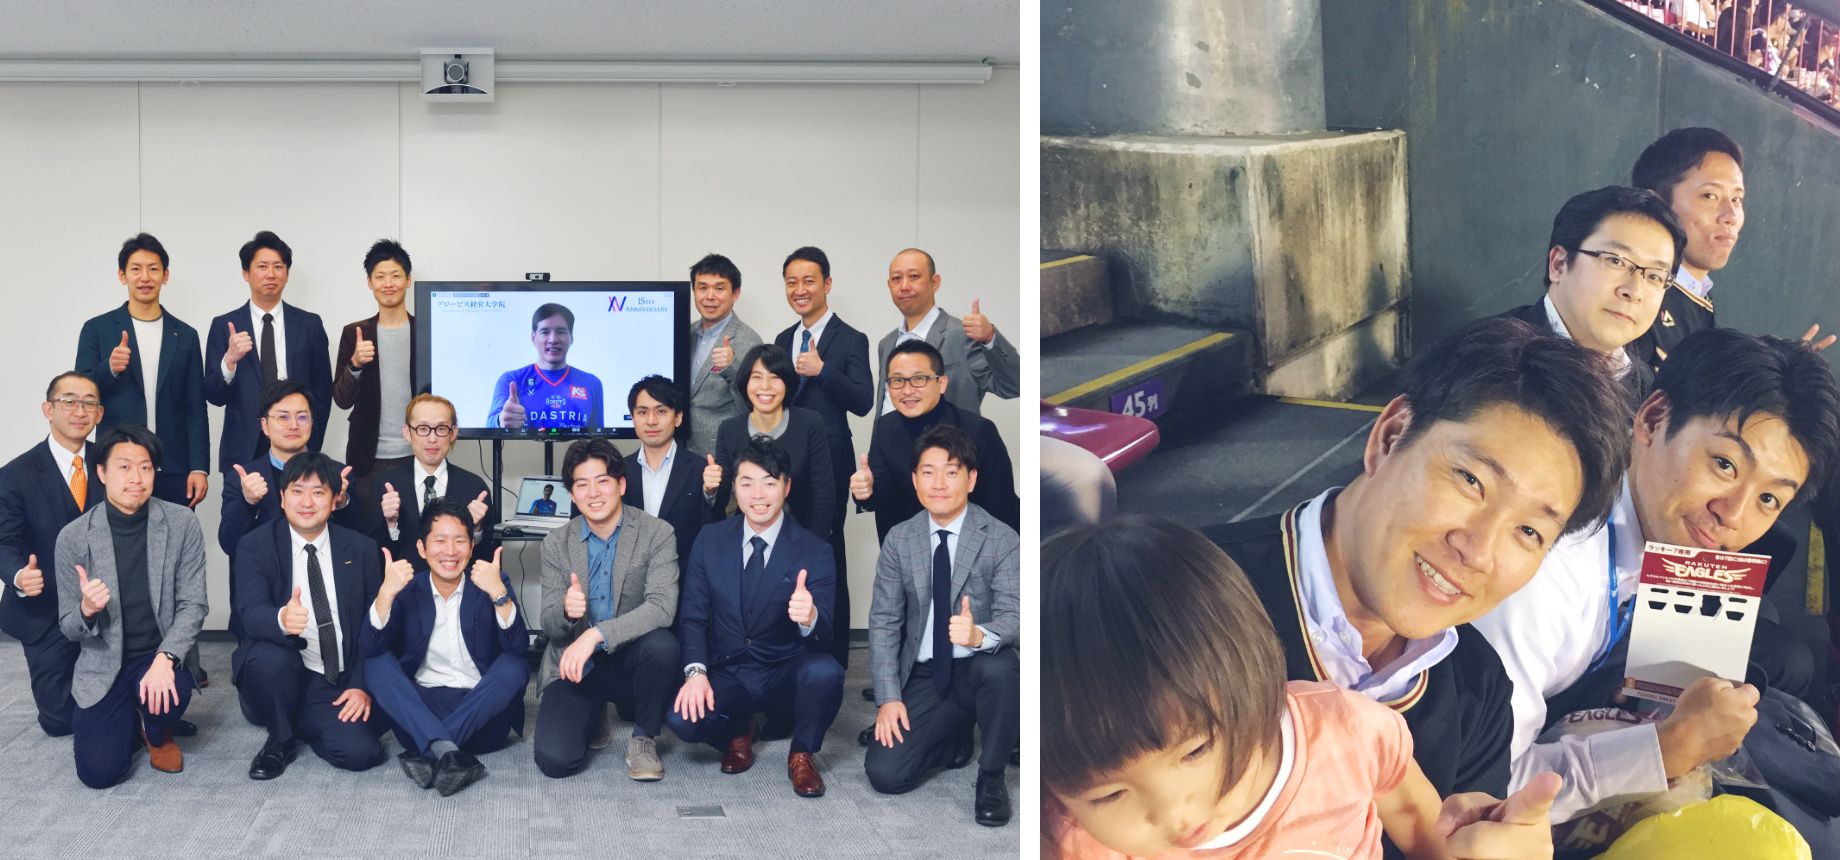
x: 856, y: 30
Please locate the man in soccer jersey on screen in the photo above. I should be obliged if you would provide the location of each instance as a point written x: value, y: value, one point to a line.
x: 548, y: 393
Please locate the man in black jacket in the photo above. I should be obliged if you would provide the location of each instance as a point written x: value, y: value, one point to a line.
x: 400, y: 492
x: 663, y: 477
x: 832, y: 361
x: 1504, y: 440
x: 916, y: 378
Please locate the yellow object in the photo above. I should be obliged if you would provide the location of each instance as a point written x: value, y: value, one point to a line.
x: 1728, y: 827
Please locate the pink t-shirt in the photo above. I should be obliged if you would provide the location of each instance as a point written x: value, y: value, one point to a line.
x: 1348, y: 750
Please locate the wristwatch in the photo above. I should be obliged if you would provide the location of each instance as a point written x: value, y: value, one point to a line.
x: 503, y: 598
x: 693, y: 671
x: 176, y: 662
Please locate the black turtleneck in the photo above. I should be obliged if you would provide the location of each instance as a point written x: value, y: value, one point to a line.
x: 891, y: 457
x: 140, y: 630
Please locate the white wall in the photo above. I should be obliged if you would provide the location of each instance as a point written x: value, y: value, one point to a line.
x: 583, y: 181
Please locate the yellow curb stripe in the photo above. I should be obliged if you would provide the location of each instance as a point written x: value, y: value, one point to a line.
x: 1330, y: 404
x: 1139, y: 368
x: 1079, y: 258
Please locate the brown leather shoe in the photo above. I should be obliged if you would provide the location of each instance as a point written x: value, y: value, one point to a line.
x: 164, y: 756
x: 804, y: 773
x: 740, y: 755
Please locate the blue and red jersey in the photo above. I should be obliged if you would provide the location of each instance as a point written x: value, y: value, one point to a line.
x: 569, y: 398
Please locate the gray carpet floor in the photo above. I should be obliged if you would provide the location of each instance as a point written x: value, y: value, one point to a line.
x: 213, y: 809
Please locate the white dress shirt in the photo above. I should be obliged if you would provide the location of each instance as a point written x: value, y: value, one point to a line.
x: 447, y: 663
x: 1547, y: 634
x: 901, y: 336
x: 1335, y: 641
x: 1619, y: 359
x: 255, y: 337
x: 1701, y: 287
x: 420, y: 489
x: 952, y: 529
x: 817, y: 334
x: 652, y: 480
x: 323, y: 544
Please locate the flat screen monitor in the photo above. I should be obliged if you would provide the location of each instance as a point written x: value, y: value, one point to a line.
x: 544, y: 360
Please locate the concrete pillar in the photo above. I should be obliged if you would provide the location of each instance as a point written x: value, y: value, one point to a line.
x: 1181, y: 67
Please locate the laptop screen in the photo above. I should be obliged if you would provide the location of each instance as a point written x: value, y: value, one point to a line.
x: 541, y: 497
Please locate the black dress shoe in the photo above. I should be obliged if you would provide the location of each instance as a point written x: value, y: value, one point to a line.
x: 183, y: 729
x: 963, y: 746
x: 868, y: 694
x: 866, y: 736
x: 418, y: 768
x: 459, y: 769
x: 992, y: 799
x: 272, y: 761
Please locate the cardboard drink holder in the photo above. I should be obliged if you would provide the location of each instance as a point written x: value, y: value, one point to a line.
x: 1695, y: 612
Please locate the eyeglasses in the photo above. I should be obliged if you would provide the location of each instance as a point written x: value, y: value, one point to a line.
x: 896, y: 383
x: 1656, y: 278
x: 72, y: 404
x: 440, y: 431
x: 301, y: 419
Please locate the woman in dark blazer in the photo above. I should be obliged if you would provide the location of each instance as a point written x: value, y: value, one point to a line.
x: 766, y: 383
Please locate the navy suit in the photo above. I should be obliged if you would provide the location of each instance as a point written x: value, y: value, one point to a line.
x: 185, y: 434
x: 683, y: 506
x: 309, y: 360
x: 239, y: 518
x: 35, y: 504
x: 276, y: 689
x: 740, y: 630
x: 844, y: 386
x: 477, y: 719
x: 462, y: 487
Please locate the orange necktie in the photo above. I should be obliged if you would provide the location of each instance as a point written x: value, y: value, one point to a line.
x: 79, y: 482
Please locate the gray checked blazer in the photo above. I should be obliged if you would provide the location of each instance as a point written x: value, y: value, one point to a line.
x: 972, y: 370
x: 175, y: 566
x: 712, y: 394
x: 986, y: 568
x: 644, y: 584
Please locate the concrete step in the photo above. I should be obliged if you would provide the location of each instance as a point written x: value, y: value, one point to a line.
x: 1075, y: 292
x: 1168, y: 372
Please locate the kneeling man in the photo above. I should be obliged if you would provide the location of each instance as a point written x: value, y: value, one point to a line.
x: 302, y: 588
x: 755, y: 624
x: 131, y: 593
x: 444, y: 653
x: 942, y: 632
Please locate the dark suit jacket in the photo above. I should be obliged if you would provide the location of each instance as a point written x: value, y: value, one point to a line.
x: 683, y: 506
x: 722, y: 620
x: 891, y: 457
x: 308, y: 360
x: 185, y: 434
x: 462, y: 486
x: 844, y: 386
x: 362, y: 393
x: 264, y: 573
x: 1641, y: 378
x: 240, y: 518
x: 35, y: 504
x: 813, y: 502
x: 405, y: 636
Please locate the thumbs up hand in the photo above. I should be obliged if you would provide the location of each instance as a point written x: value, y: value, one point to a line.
x: 809, y: 363
x: 30, y: 579
x: 800, y: 608
x: 977, y: 326
x: 486, y: 578
x: 721, y: 357
x: 338, y: 501
x: 118, y: 357
x: 255, y: 487
x: 478, y: 509
x: 391, y: 504
x: 574, y: 601
x: 239, y: 346
x: 712, y: 475
x: 862, y: 481
x: 396, y: 575
x: 95, y: 593
x: 963, y: 631
x: 513, y: 415
x: 365, y: 351
x: 294, y: 615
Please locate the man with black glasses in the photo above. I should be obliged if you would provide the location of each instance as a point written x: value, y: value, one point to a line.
x: 404, y: 490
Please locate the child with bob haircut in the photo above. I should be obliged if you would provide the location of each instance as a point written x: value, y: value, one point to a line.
x: 1168, y: 729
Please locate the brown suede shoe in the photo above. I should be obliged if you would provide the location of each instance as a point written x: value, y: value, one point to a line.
x: 164, y: 756
x: 804, y: 773
x: 740, y: 754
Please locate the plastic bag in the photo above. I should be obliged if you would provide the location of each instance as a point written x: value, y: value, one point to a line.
x: 1598, y: 827
x: 1727, y: 827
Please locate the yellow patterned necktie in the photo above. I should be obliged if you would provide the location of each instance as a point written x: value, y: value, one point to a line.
x: 79, y: 482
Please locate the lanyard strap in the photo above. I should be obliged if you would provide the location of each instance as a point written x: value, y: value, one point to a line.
x: 1619, y: 616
